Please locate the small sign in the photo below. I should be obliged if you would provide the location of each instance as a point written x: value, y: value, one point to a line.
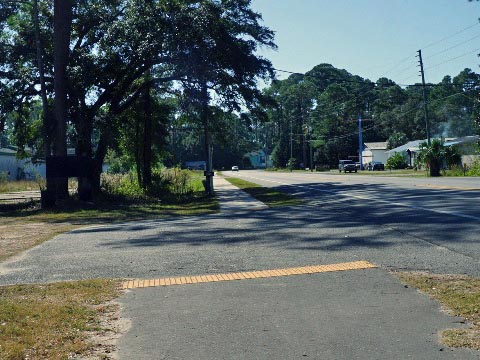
x: 208, y: 173
x: 69, y: 166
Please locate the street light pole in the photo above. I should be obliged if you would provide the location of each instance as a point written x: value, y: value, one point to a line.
x: 360, y: 142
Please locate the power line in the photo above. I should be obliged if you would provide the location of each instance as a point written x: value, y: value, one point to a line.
x: 452, y: 59
x: 452, y: 47
x: 383, y: 122
x: 450, y: 36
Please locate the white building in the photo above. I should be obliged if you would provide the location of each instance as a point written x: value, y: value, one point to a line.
x: 19, y: 168
x: 375, y: 151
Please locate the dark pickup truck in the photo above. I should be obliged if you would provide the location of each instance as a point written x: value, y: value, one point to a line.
x: 346, y: 165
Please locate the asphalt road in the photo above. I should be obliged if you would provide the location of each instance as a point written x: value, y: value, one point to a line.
x: 395, y: 223
x: 438, y: 211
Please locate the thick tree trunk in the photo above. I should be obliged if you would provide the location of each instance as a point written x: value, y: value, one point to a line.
x: 147, y: 140
x: 61, y: 38
x: 208, y: 158
x: 138, y: 161
x: 434, y: 168
x: 47, y: 116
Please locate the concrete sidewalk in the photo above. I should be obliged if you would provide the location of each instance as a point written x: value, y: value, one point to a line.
x: 232, y: 199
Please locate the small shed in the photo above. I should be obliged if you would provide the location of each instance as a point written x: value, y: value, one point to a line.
x: 374, y: 151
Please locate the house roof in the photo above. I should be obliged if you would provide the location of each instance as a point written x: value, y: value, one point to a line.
x: 411, y: 145
x: 414, y: 145
x: 7, y: 151
x: 377, y: 145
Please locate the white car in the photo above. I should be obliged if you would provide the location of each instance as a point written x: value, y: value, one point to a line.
x: 235, y: 168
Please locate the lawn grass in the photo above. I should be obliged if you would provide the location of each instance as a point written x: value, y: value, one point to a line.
x: 460, y: 296
x: 269, y: 196
x: 54, y: 321
x: 22, y: 185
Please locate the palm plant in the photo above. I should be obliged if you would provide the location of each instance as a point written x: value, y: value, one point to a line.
x: 432, y: 155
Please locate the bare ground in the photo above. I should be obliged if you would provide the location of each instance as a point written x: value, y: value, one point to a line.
x: 15, y: 238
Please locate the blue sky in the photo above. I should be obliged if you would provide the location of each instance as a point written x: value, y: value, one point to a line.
x: 374, y: 38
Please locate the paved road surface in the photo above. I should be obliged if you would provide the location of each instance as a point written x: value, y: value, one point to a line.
x: 353, y: 314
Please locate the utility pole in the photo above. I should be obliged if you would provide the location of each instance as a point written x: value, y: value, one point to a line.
x: 311, y: 150
x: 291, y: 139
x: 427, y: 124
x: 360, y: 142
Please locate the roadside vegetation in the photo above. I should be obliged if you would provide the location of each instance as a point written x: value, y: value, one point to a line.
x: 23, y: 185
x: 56, y: 321
x: 269, y: 196
x: 174, y: 192
x: 7, y: 186
x: 460, y: 296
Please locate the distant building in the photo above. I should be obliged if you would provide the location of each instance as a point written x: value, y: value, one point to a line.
x: 467, y: 145
x: 195, y: 165
x: 19, y: 169
x: 258, y: 159
x: 374, y: 151
x: 408, y: 150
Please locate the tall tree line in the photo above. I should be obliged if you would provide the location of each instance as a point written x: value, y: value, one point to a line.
x: 320, y: 109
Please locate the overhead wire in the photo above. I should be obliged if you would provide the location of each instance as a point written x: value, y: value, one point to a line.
x: 426, y: 47
x: 419, y: 107
x: 451, y: 36
x: 451, y: 47
x: 452, y: 59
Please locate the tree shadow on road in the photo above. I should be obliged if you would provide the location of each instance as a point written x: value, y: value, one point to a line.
x: 329, y: 221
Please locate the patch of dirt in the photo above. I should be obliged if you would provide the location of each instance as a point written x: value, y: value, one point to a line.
x: 113, y: 328
x: 15, y: 238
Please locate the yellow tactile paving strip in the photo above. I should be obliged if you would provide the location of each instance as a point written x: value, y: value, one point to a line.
x: 183, y: 280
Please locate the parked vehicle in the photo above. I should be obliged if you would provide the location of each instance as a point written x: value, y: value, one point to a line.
x: 376, y: 165
x: 346, y: 165
x: 234, y: 168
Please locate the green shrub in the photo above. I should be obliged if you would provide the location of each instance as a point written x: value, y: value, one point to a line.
x: 455, y: 171
x: 474, y: 169
x: 124, y: 185
x: 292, y: 164
x: 165, y: 182
x: 396, y: 161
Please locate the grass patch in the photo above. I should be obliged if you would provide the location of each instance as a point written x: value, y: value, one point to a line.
x: 53, y: 321
x: 22, y: 185
x: 268, y: 196
x: 460, y: 295
x: 29, y: 185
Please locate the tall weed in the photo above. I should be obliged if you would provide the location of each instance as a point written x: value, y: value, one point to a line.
x: 474, y: 169
x: 165, y: 183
